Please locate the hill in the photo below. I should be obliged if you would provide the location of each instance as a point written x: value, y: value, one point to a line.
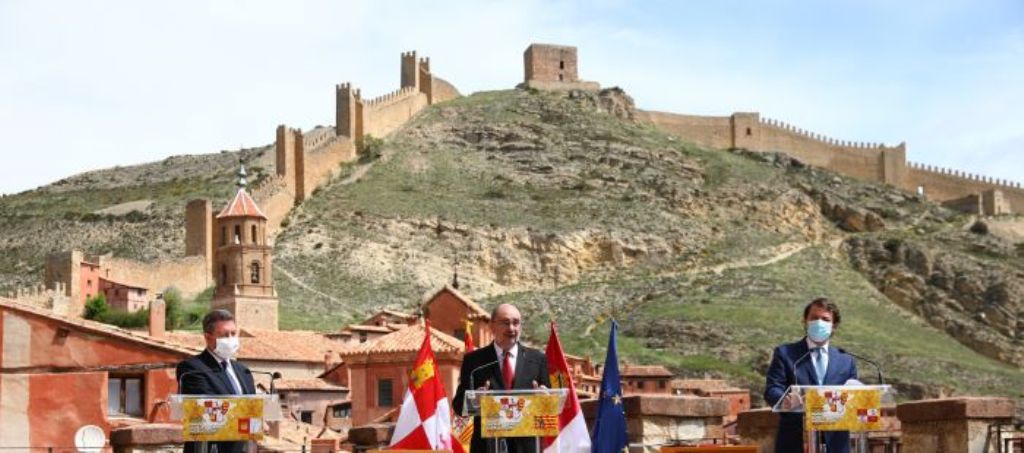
x: 566, y: 204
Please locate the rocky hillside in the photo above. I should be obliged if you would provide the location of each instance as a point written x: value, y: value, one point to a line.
x: 569, y: 207
x: 566, y: 206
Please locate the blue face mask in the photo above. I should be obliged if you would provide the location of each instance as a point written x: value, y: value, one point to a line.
x: 819, y: 331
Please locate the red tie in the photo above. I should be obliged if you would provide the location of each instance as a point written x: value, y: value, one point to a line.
x: 507, y: 373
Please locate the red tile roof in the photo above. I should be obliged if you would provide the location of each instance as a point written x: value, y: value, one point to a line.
x: 102, y: 329
x: 644, y: 371
x: 318, y: 385
x: 409, y: 339
x: 273, y: 345
x: 242, y: 206
x: 475, y: 310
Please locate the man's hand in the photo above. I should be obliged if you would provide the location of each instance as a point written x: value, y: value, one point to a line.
x: 791, y: 401
x: 487, y: 386
x: 538, y: 386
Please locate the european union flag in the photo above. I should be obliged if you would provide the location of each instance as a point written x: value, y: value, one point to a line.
x: 610, y: 428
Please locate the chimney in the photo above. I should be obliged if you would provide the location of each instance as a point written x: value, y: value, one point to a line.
x: 328, y: 363
x: 157, y: 318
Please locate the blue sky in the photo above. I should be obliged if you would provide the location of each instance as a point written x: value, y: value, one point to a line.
x: 87, y: 85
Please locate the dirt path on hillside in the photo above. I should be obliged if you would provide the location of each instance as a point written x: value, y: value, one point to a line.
x: 303, y: 285
x: 778, y: 253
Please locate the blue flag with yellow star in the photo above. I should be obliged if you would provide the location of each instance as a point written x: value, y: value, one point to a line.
x: 610, y: 428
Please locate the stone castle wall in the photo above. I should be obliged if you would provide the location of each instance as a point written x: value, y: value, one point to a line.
x: 191, y: 274
x: 941, y: 184
x: 866, y: 161
x: 387, y: 113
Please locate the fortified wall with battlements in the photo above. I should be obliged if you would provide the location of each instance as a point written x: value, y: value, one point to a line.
x: 555, y: 67
x: 303, y: 161
x: 866, y: 161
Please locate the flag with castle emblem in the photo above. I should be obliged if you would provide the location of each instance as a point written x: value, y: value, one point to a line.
x: 462, y: 427
x: 572, y: 428
x: 424, y: 421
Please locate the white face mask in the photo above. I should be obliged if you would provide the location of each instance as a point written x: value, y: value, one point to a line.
x: 227, y: 347
x: 819, y: 330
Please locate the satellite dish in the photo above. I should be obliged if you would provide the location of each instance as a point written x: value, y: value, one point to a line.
x: 90, y: 439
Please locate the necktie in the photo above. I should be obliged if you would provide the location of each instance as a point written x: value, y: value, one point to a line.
x: 507, y: 373
x: 234, y: 383
x: 819, y: 365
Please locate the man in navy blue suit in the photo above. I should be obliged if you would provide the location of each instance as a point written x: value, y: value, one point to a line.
x: 809, y: 361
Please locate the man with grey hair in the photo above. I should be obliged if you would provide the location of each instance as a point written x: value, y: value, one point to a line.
x: 215, y: 371
x: 503, y: 364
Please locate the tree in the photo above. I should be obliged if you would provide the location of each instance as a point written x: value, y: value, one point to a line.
x: 95, y: 307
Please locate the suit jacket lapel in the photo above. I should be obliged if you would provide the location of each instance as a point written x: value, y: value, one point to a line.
x: 219, y: 378
x: 494, y: 376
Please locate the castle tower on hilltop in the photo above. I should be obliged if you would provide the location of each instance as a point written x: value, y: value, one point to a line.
x: 242, y: 263
x: 551, y: 67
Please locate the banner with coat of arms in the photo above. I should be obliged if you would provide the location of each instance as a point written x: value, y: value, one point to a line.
x: 843, y: 409
x: 222, y: 419
x: 519, y: 415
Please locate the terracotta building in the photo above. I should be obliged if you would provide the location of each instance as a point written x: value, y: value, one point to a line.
x: 123, y: 297
x: 378, y: 371
x: 641, y: 379
x: 448, y: 310
x: 60, y: 373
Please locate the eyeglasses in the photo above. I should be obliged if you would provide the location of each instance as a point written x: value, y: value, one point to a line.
x: 508, y: 322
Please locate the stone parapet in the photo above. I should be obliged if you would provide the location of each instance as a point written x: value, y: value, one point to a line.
x: 656, y: 420
x: 757, y: 427
x: 952, y: 424
x: 562, y: 86
x: 371, y: 436
x: 147, y: 437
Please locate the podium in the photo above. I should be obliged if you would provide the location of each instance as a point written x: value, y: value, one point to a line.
x: 506, y: 414
x: 853, y: 408
x: 216, y: 418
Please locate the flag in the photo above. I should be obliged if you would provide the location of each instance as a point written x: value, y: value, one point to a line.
x: 424, y: 421
x: 572, y: 428
x: 462, y: 427
x: 610, y: 426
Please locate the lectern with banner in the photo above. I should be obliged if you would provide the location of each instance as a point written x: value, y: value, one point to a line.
x: 215, y: 418
x: 853, y: 408
x: 515, y: 413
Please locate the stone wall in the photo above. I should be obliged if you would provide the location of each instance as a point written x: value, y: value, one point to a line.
x: 189, y: 274
x: 706, y: 131
x: 953, y: 424
x: 442, y: 91
x: 384, y: 114
x: 866, y: 161
x: 941, y: 184
x: 656, y: 420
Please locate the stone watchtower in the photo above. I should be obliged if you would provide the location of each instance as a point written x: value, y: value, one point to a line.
x: 242, y: 263
x: 552, y: 67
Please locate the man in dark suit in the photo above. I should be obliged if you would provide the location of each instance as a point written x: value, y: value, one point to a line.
x: 809, y: 361
x: 503, y: 364
x: 215, y: 372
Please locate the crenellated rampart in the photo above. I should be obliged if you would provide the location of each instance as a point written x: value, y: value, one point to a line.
x: 869, y: 161
x: 995, y: 196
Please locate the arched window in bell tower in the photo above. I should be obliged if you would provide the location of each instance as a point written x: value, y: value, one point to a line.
x: 254, y: 240
x: 223, y: 274
x: 254, y: 272
x: 238, y: 234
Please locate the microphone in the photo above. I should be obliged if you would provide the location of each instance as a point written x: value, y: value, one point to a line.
x: 795, y: 362
x: 273, y: 376
x: 472, y: 374
x: 878, y: 369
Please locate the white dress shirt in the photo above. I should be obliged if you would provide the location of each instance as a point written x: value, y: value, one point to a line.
x: 513, y: 352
